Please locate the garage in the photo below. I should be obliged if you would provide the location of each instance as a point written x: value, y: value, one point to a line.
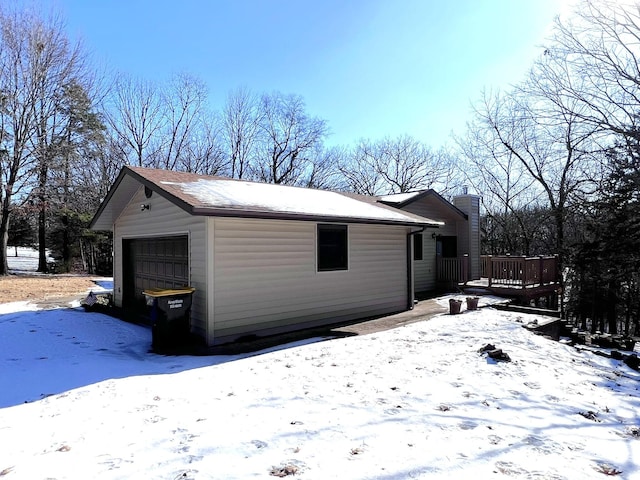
x: 159, y: 262
x: 250, y: 251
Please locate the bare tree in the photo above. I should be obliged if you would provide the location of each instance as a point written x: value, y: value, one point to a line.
x: 553, y: 145
x: 599, y: 53
x: 16, y: 114
x: 205, y: 151
x: 323, y: 171
x: 408, y: 165
x: 288, y: 136
x: 57, y: 68
x: 507, y: 188
x: 241, y: 119
x: 37, y: 67
x: 136, y: 117
x: 359, y: 169
x: 396, y: 165
x: 184, y: 101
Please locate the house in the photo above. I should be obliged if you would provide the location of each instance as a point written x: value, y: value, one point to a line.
x: 263, y: 258
x: 450, y: 253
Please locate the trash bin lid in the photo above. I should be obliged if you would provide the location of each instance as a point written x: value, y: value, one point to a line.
x: 167, y: 292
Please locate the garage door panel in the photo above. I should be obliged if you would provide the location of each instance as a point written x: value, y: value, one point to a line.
x: 153, y: 263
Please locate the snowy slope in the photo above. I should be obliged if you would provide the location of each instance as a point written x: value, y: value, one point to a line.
x: 415, y: 402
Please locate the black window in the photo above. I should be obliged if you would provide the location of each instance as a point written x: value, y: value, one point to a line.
x: 332, y: 247
x: 417, y: 246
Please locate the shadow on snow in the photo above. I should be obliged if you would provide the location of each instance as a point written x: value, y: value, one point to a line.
x: 47, y: 352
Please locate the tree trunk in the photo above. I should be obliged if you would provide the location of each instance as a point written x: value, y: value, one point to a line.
x: 42, y: 220
x: 559, y: 220
x: 42, y: 242
x: 612, y: 321
x: 66, y: 248
x: 82, y: 255
x: 4, y: 238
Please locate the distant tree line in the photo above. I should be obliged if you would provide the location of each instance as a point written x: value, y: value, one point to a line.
x: 66, y: 130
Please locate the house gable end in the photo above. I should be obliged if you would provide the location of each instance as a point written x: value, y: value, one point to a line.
x: 121, y: 194
x: 432, y: 205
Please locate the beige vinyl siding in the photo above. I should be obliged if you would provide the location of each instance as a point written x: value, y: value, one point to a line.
x: 469, y: 232
x: 266, y: 278
x: 162, y: 219
x: 424, y: 271
x: 432, y: 209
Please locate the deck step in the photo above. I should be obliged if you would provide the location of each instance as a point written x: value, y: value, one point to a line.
x: 532, y: 310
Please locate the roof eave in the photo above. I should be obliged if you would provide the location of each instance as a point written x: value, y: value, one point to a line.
x: 107, y: 199
x: 238, y: 213
x: 430, y: 192
x: 270, y: 215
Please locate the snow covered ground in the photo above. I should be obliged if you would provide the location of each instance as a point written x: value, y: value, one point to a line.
x: 25, y: 261
x: 81, y: 397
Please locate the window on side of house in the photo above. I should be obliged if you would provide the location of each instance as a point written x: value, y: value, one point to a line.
x: 333, y: 247
x: 417, y: 246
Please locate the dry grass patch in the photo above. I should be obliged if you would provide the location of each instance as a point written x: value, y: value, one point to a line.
x: 37, y: 288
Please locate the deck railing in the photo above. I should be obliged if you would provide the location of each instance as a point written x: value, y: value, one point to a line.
x: 508, y: 271
x: 519, y: 271
x: 452, y: 271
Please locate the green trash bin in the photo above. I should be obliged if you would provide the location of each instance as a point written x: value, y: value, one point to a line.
x: 169, y: 310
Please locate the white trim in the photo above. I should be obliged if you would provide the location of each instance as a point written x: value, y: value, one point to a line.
x: 156, y: 235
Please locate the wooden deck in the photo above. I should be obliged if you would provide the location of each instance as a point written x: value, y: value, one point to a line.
x: 526, y: 278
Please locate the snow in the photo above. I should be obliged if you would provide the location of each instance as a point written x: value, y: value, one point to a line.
x: 82, y: 397
x: 26, y: 261
x: 279, y: 198
x: 399, y: 197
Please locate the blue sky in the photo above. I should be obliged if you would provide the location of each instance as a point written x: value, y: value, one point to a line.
x: 370, y: 68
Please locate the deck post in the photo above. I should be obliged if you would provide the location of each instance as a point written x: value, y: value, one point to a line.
x: 490, y: 268
x: 541, y: 270
x: 465, y: 267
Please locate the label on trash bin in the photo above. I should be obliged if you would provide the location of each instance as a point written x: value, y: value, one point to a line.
x: 177, y: 303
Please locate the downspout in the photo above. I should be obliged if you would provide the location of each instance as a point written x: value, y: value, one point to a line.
x: 410, y: 287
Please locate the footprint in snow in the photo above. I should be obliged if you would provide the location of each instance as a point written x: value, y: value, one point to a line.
x: 113, y: 463
x: 393, y: 411
x: 155, y: 419
x: 542, y: 445
x: 508, y: 468
x: 259, y: 444
x: 467, y: 425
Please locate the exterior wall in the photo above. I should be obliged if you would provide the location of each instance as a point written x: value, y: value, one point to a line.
x: 164, y: 219
x: 469, y: 232
x: 266, y: 281
x: 424, y: 271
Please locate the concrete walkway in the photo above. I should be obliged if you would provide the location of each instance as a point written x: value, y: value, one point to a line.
x: 423, y: 310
